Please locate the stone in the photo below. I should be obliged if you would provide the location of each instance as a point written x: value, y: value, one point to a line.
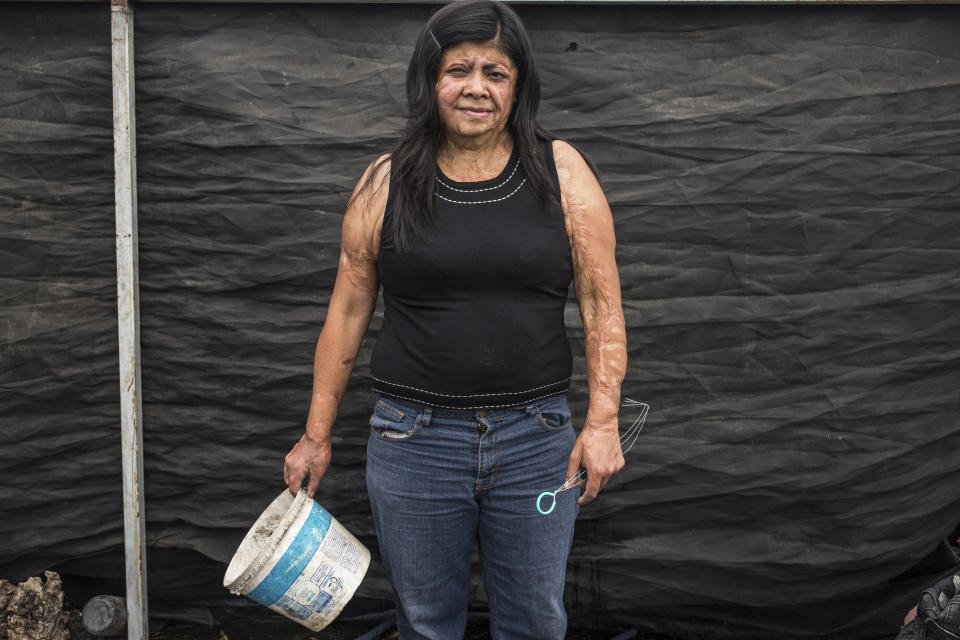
x: 33, y: 609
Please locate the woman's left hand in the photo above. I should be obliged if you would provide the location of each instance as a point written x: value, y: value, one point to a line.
x: 598, y: 451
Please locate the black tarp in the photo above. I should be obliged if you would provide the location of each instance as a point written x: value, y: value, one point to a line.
x: 59, y: 377
x: 785, y: 182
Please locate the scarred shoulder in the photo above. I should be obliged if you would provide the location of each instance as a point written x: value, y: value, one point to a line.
x: 362, y: 225
x: 364, y: 215
x: 568, y: 158
x: 581, y: 196
x: 369, y: 196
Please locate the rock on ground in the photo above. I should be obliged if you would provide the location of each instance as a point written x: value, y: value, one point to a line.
x: 33, y: 609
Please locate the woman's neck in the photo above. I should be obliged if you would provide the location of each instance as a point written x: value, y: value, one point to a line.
x: 471, y: 160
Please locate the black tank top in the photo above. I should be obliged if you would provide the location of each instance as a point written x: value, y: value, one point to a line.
x: 473, y: 311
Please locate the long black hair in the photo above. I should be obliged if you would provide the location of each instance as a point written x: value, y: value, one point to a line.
x: 413, y: 168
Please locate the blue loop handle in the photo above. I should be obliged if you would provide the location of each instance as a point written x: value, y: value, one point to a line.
x: 552, y: 504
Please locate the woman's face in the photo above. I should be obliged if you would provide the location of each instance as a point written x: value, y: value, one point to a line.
x: 475, y: 88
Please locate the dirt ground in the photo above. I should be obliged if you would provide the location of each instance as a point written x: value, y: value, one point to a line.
x: 345, y: 630
x: 281, y: 629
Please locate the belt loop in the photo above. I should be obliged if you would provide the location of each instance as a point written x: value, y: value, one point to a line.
x: 426, y: 413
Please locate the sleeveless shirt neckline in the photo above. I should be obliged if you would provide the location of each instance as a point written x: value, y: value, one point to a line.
x: 477, y: 185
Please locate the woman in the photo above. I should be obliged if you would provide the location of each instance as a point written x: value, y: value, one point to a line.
x: 475, y: 225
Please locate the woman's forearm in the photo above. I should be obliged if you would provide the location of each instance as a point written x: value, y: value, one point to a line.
x: 606, y: 354
x: 333, y: 361
x: 329, y: 383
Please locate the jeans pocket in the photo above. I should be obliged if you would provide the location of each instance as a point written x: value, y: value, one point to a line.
x: 552, y: 414
x: 392, y: 422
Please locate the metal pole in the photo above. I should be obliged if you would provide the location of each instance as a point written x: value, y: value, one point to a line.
x: 128, y: 317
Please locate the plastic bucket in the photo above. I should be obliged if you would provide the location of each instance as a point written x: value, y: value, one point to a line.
x: 299, y: 561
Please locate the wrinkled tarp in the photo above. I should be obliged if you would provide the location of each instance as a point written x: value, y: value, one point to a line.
x: 59, y: 377
x: 784, y: 182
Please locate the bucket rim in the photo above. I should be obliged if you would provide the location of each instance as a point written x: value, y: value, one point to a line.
x: 268, y: 548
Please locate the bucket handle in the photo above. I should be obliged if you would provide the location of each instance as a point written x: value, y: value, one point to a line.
x: 265, y: 554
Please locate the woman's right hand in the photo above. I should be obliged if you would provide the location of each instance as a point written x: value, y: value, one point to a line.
x: 308, y: 457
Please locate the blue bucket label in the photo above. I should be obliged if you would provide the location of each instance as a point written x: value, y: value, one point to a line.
x: 293, y: 608
x: 295, y: 559
x: 322, y: 573
x: 322, y: 601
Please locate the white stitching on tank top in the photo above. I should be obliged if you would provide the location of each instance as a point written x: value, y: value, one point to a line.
x: 485, y: 188
x: 470, y: 395
x: 485, y: 406
x: 522, y: 182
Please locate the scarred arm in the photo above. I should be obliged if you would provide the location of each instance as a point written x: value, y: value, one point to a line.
x: 597, y: 285
x: 351, y: 307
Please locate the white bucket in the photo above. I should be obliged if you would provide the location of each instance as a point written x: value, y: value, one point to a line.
x: 299, y: 561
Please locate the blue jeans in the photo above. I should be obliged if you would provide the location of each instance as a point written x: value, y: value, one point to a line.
x: 440, y: 480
